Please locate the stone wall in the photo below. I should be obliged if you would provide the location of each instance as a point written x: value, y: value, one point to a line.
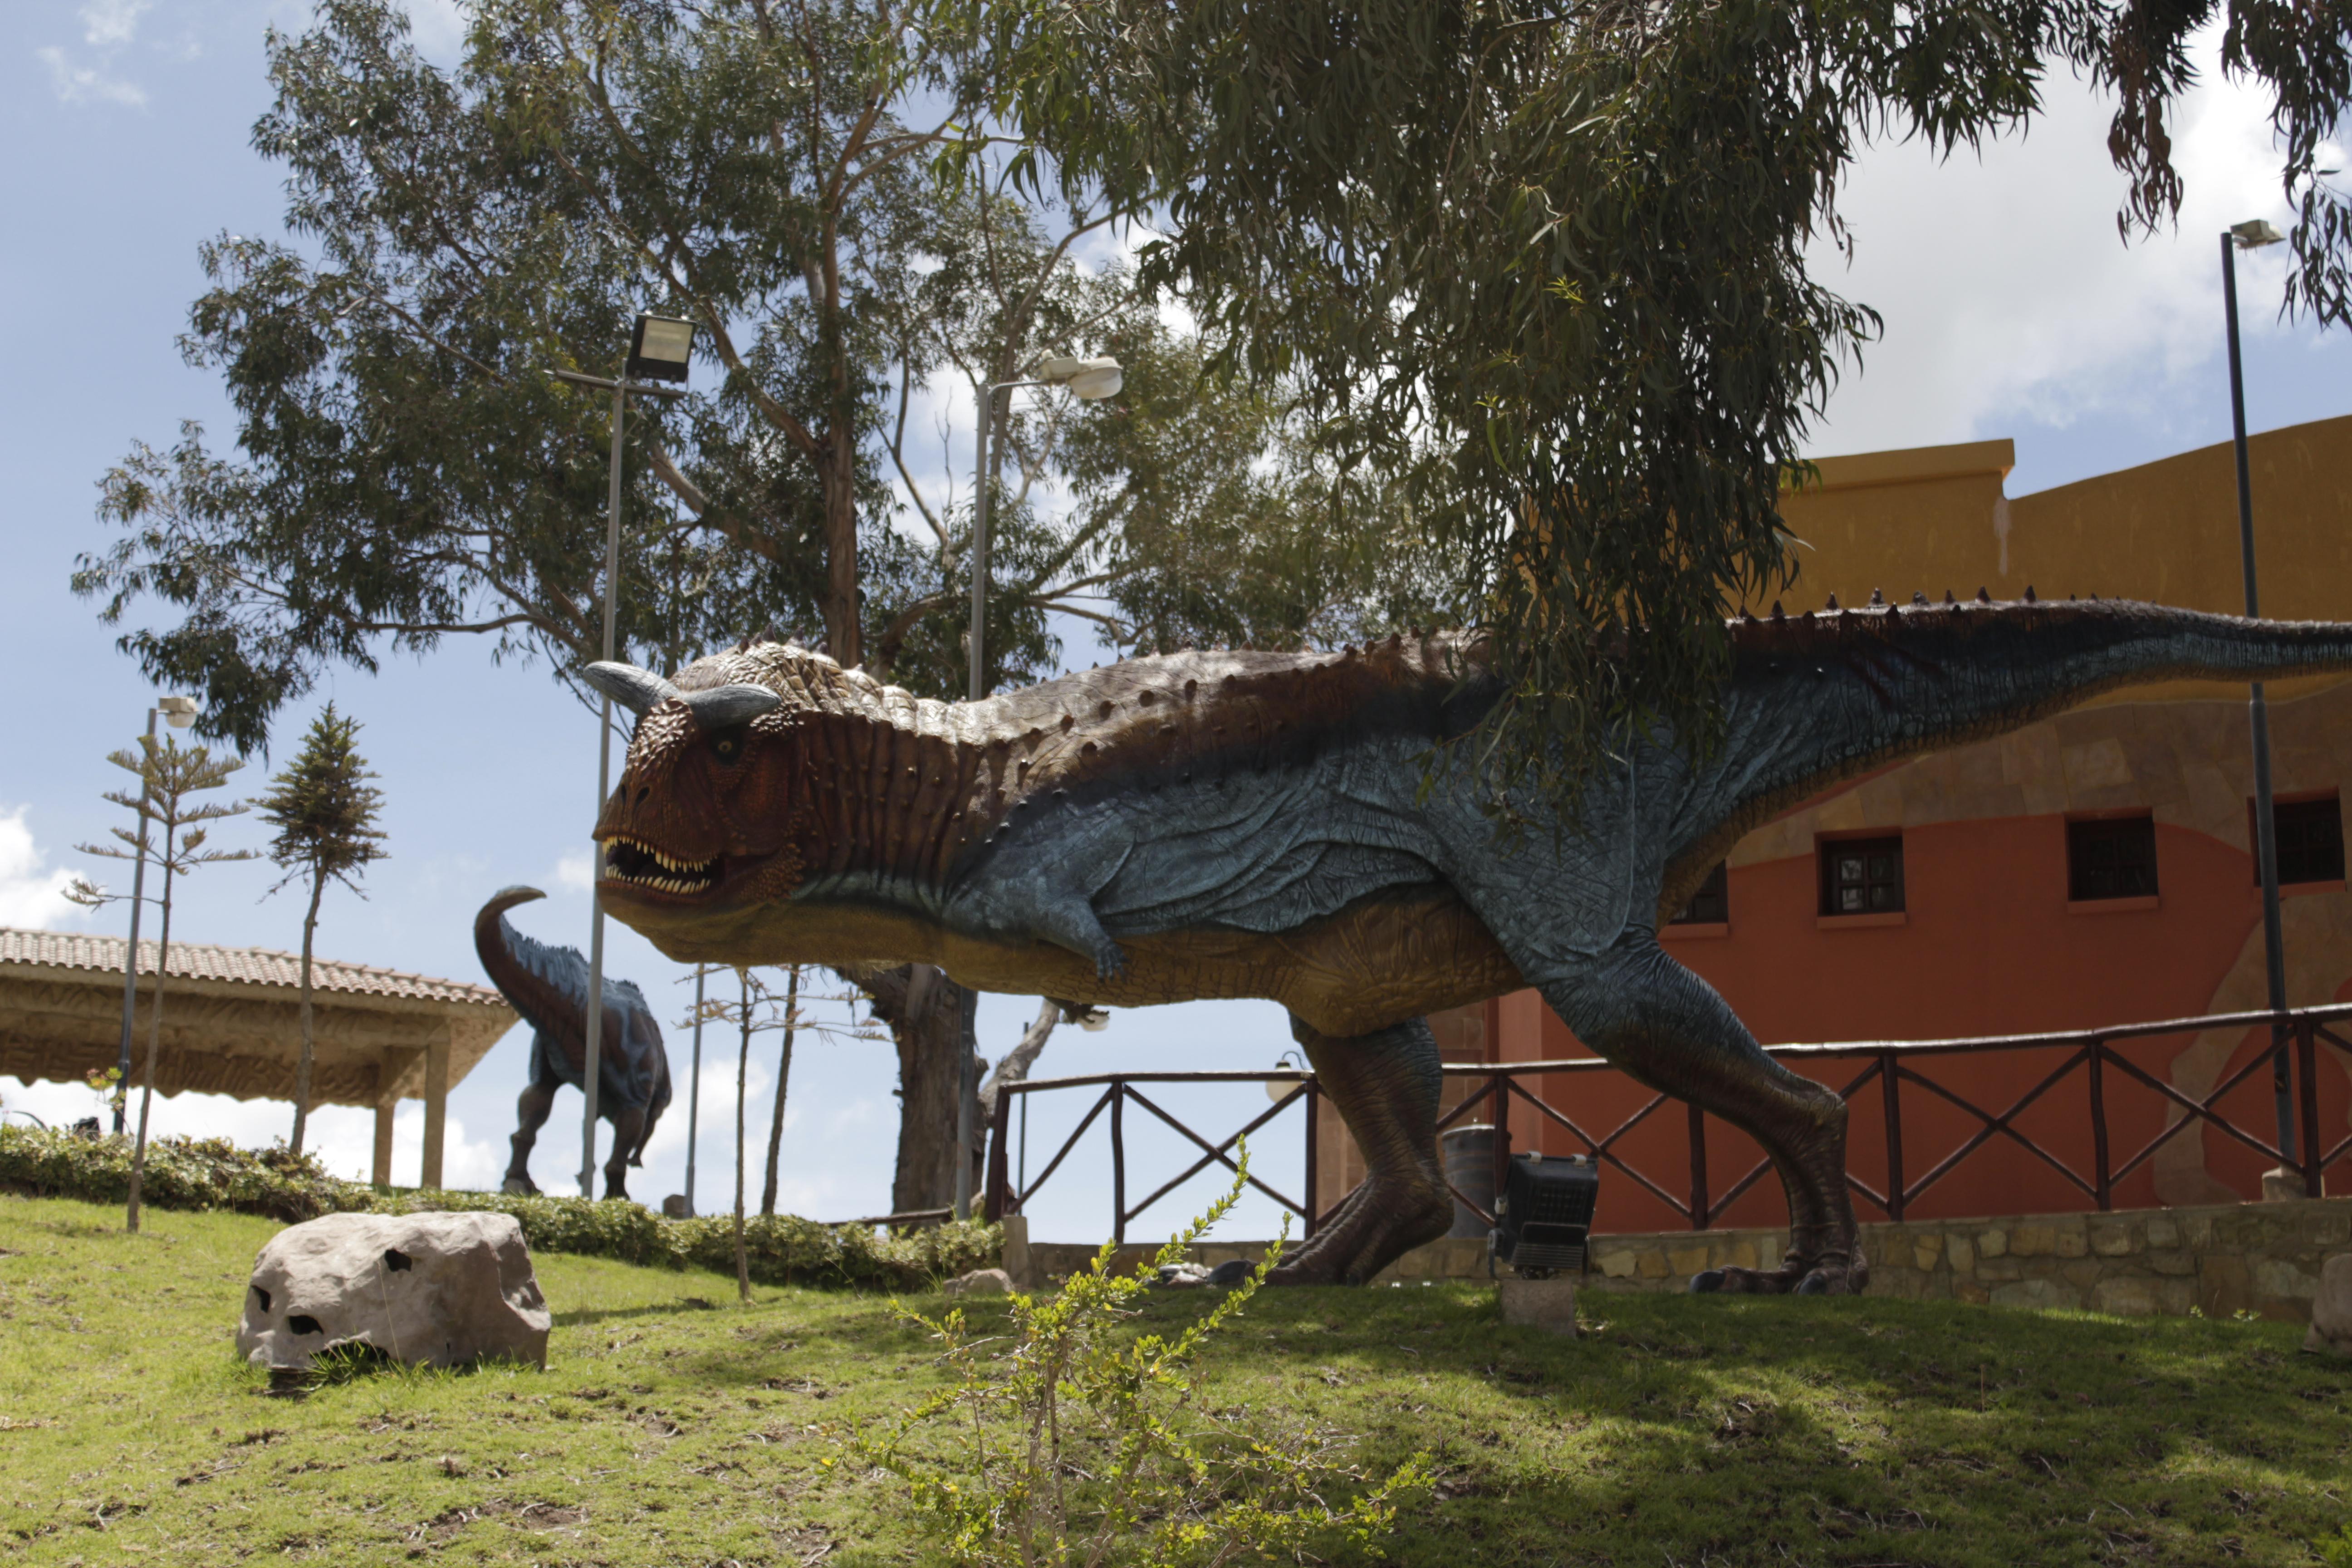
x: 2260, y: 1258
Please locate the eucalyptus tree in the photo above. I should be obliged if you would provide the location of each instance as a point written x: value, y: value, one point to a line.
x: 1544, y: 265
x: 405, y: 467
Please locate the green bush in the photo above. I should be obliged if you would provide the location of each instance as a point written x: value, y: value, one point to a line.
x: 214, y: 1174
x: 181, y: 1173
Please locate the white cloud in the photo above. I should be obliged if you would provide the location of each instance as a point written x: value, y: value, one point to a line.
x: 30, y: 894
x: 109, y: 23
x: 86, y: 84
x: 2004, y: 284
x: 576, y: 870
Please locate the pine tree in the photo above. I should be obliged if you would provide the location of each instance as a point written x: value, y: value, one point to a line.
x: 324, y: 811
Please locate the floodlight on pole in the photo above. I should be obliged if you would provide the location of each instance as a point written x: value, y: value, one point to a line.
x: 179, y: 712
x: 1091, y: 380
x: 661, y: 348
x: 2252, y: 235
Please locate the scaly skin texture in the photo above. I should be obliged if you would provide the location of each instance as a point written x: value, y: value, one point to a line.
x: 549, y: 987
x: 1265, y: 824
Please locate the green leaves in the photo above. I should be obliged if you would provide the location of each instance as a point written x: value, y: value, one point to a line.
x: 1542, y: 271
x: 322, y: 806
x: 1077, y: 1439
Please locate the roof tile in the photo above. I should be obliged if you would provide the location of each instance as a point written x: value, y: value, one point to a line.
x: 251, y: 965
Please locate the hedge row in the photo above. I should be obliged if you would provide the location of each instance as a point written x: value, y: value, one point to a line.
x: 214, y: 1174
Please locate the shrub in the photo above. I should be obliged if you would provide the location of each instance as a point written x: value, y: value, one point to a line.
x: 1072, y: 1442
x: 214, y: 1174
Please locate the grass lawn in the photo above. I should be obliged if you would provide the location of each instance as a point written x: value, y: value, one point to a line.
x: 674, y: 1428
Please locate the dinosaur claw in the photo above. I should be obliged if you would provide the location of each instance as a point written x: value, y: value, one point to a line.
x: 1708, y: 1282
x: 1111, y: 962
x: 1814, y: 1284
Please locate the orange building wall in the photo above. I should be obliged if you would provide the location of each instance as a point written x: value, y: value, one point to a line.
x: 1989, y: 944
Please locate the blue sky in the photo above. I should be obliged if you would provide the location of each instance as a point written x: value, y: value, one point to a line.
x: 2012, y: 309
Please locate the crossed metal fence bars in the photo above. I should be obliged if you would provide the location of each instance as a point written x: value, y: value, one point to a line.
x: 1890, y: 1063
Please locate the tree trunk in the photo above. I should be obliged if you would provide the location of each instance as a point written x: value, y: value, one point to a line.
x: 154, y: 1042
x: 843, y: 637
x: 742, y: 1075
x: 783, y: 1080
x: 302, y: 1066
x: 930, y: 1019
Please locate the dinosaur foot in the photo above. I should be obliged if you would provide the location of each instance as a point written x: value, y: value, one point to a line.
x: 1823, y: 1273
x: 1378, y: 1223
x: 521, y: 1185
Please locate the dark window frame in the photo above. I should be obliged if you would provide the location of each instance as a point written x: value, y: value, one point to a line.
x: 1880, y: 886
x: 2300, y: 862
x: 1710, y: 905
x: 2110, y: 858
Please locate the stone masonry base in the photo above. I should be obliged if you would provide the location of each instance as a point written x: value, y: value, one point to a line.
x: 2260, y: 1258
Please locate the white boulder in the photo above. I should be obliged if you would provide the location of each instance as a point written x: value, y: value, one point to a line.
x: 431, y: 1290
x: 981, y: 1282
x: 2331, y: 1308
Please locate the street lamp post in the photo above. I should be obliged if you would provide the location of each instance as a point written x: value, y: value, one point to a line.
x: 2247, y: 236
x: 179, y: 712
x: 659, y: 351
x: 1090, y: 379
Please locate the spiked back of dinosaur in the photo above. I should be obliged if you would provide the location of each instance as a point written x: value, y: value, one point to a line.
x: 835, y: 774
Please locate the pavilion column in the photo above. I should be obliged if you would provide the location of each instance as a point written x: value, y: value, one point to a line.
x: 436, y: 1103
x: 384, y: 1114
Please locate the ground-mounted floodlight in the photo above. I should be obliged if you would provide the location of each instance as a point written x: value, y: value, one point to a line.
x: 1544, y: 1215
x: 661, y: 350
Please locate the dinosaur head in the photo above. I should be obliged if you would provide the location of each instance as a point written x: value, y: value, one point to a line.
x: 704, y: 813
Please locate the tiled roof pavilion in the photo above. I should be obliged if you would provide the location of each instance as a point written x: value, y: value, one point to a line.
x: 232, y: 1025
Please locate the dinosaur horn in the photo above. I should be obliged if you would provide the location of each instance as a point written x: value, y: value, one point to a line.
x: 723, y: 707
x: 634, y: 689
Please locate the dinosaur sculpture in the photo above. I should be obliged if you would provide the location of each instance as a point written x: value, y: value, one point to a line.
x: 549, y: 987
x: 1215, y: 824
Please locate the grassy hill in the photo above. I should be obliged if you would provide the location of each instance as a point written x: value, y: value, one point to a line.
x: 673, y: 1426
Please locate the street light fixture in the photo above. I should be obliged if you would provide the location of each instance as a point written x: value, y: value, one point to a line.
x: 179, y: 712
x: 1090, y: 379
x: 2249, y: 235
x: 660, y: 349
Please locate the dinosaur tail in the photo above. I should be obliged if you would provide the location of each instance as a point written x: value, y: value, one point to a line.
x: 1831, y: 696
x: 546, y: 1006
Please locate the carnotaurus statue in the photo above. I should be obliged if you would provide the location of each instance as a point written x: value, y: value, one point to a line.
x: 1256, y: 825
x: 549, y: 987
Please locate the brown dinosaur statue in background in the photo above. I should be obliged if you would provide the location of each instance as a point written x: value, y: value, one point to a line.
x: 1220, y: 824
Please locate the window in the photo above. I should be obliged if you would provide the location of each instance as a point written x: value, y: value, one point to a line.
x: 2111, y: 857
x: 1711, y: 905
x: 2310, y: 840
x: 1861, y: 876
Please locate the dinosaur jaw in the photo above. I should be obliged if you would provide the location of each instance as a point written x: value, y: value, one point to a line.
x: 638, y: 869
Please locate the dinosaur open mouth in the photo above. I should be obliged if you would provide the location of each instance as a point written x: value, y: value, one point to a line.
x: 642, y: 866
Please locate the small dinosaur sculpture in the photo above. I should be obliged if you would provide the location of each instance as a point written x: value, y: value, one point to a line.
x: 549, y: 987
x: 1215, y: 823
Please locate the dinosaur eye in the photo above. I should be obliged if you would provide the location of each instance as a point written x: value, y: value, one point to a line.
x: 727, y: 746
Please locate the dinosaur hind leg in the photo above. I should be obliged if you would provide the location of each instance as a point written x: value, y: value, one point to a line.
x: 532, y: 1110
x: 1666, y: 1027
x: 1385, y: 1085
x: 628, y: 1131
